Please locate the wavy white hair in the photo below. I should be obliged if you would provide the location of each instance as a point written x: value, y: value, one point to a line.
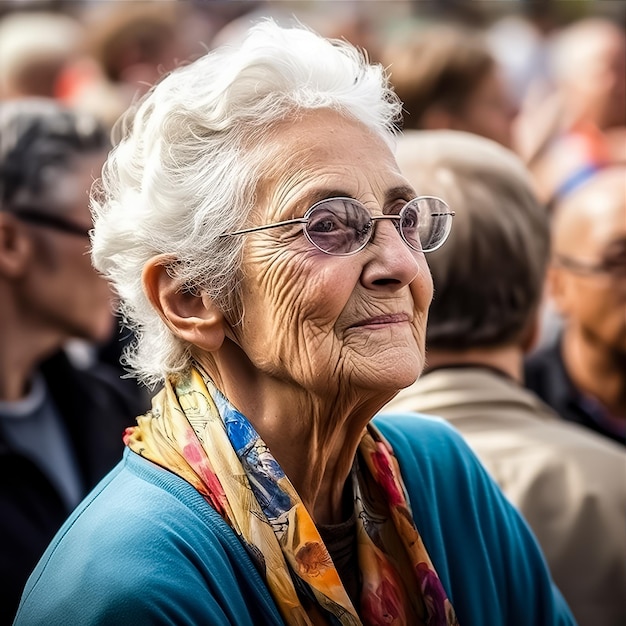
x: 185, y: 168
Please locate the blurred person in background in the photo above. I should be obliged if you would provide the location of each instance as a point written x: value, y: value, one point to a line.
x: 582, y: 375
x: 35, y: 47
x: 61, y: 425
x: 579, y: 126
x: 354, y: 21
x: 488, y: 281
x: 447, y: 78
x: 136, y: 43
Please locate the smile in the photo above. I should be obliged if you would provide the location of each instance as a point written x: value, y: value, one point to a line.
x: 383, y: 320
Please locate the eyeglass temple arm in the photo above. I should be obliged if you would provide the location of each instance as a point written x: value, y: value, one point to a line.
x: 303, y: 220
x: 397, y: 217
x: 254, y: 229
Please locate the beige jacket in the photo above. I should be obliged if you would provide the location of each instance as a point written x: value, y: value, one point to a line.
x: 568, y: 482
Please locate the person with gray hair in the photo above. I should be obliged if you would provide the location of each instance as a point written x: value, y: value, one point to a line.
x: 60, y: 422
x: 270, y: 256
x: 488, y: 281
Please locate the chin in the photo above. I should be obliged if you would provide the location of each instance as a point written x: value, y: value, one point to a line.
x: 393, y: 376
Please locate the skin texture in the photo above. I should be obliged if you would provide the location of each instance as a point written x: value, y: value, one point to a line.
x: 588, y: 228
x: 49, y: 292
x: 325, y: 341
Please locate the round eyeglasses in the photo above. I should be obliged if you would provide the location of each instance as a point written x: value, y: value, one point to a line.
x: 343, y: 226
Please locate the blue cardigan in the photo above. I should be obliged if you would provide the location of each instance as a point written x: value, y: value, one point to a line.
x: 146, y: 548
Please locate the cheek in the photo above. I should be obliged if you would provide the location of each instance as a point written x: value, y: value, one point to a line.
x: 291, y: 308
x: 594, y: 306
x: 303, y: 287
x: 295, y: 296
x: 422, y: 288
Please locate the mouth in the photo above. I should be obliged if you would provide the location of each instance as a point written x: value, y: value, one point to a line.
x: 383, y: 320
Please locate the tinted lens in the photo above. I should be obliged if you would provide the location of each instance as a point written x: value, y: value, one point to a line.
x: 426, y: 223
x: 410, y: 225
x: 338, y: 226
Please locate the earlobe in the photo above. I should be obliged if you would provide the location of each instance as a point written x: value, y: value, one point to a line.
x: 14, y: 247
x: 556, y: 289
x: 193, y: 318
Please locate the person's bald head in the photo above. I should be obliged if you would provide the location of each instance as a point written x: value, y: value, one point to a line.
x: 587, y: 278
x: 589, y: 219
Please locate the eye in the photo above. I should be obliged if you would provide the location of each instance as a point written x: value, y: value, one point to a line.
x: 410, y: 218
x: 338, y: 226
x: 325, y: 222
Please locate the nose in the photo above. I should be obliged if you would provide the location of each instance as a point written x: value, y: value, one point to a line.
x: 390, y: 263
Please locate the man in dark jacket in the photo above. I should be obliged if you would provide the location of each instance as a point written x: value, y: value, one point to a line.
x: 583, y: 374
x: 61, y: 420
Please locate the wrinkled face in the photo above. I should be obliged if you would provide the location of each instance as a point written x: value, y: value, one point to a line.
x: 317, y: 321
x: 61, y: 291
x: 594, y: 303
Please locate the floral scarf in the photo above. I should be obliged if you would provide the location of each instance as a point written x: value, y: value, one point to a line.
x: 193, y: 431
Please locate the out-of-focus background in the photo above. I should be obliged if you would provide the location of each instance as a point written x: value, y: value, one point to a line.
x: 101, y: 54
x: 553, y: 69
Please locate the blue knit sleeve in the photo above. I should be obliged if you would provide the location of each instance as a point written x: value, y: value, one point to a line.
x: 145, y: 549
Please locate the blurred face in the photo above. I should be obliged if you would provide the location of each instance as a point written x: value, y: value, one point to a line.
x: 324, y: 322
x: 61, y: 291
x: 590, y: 281
x: 489, y: 111
x: 600, y: 77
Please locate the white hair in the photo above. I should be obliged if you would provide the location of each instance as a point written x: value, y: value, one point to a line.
x: 185, y: 170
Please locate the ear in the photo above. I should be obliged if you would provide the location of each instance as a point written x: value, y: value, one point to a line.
x: 557, y: 285
x: 194, y: 318
x: 15, y: 246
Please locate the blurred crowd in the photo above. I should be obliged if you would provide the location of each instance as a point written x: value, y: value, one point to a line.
x: 544, y: 80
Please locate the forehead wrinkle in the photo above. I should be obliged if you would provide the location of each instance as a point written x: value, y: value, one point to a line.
x: 300, y: 154
x: 299, y: 190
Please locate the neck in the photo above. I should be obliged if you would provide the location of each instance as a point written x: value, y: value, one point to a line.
x: 506, y: 359
x: 23, y: 348
x: 314, y: 437
x: 596, y: 371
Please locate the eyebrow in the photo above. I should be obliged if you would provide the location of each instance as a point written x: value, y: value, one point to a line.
x: 402, y: 191
x: 317, y: 195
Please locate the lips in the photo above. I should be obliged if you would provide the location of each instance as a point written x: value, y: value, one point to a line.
x: 383, y: 320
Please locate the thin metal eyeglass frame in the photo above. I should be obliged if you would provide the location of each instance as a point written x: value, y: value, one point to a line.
x: 586, y: 269
x: 373, y: 218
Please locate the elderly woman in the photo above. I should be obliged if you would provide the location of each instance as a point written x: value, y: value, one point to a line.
x: 271, y: 257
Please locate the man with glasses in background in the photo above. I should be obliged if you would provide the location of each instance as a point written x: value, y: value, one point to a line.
x: 61, y: 424
x: 583, y: 374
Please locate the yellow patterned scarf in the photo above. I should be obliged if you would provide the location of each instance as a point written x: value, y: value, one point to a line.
x: 193, y: 431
